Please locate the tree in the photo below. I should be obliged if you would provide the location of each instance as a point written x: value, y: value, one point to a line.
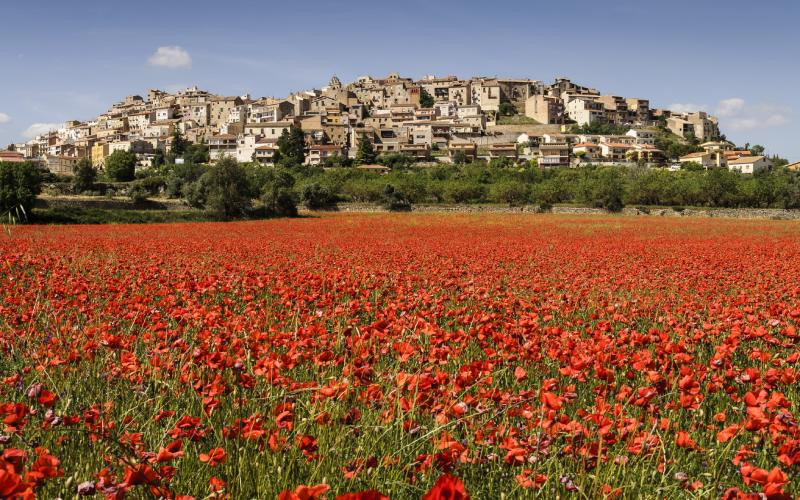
x: 757, y: 150
x: 85, y: 176
x: 276, y: 193
x: 121, y: 166
x: 460, y: 158
x: 425, y: 99
x: 507, y: 109
x: 292, y: 146
x: 196, y: 153
x: 604, y: 188
x: 365, y: 154
x: 721, y: 187
x: 317, y: 196
x: 510, y: 191
x: 158, y: 158
x: 395, y: 200
x: 226, y: 185
x: 179, y: 144
x: 19, y: 185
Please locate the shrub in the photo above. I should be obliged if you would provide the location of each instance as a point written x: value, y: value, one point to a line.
x: 512, y: 192
x: 121, y: 166
x: 317, y: 196
x: 85, y: 176
x: 138, y: 193
x: 395, y: 200
x: 223, y: 190
x: 19, y: 185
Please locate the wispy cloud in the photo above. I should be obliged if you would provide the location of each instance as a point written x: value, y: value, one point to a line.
x: 4, y: 118
x: 38, y: 129
x: 735, y: 113
x: 686, y: 107
x: 730, y: 107
x: 172, y: 57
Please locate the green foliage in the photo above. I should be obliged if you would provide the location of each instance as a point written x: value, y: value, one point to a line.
x: 460, y: 158
x: 336, y: 161
x: 138, y: 193
x: 365, y: 155
x: 317, y: 196
x: 507, y: 109
x: 19, y: 185
x: 395, y: 199
x: 121, y: 166
x: 692, y: 166
x: 757, y: 150
x: 276, y: 192
x: 721, y: 187
x: 158, y: 158
x: 425, y: 99
x: 599, y: 128
x: 223, y: 190
x: 510, y: 191
x: 85, y: 176
x: 603, y: 188
x: 196, y: 153
x: 674, y: 146
x: 179, y: 144
x: 291, y: 146
x: 142, y: 189
x: 394, y: 160
x: 501, y: 162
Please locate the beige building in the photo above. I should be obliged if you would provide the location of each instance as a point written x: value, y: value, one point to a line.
x: 544, y: 109
x: 60, y: 165
x: 700, y: 124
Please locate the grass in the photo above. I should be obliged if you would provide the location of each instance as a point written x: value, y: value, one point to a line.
x: 115, y: 216
x: 516, y: 120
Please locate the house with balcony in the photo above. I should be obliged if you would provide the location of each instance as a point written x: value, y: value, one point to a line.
x: 222, y: 145
x: 508, y: 150
x: 586, y: 152
x: 554, y: 154
x: 470, y: 149
x: 318, y: 153
x: 614, y: 151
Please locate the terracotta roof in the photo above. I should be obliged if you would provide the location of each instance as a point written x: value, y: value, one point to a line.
x: 699, y: 154
x: 745, y: 159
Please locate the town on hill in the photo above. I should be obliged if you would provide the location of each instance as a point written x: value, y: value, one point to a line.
x: 434, y: 119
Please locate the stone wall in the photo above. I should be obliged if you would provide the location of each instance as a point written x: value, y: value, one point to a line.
x: 734, y: 213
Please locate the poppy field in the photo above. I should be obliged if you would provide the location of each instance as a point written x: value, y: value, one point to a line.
x: 401, y: 356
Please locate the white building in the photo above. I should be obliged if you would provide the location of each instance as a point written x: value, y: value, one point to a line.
x: 585, y: 111
x: 642, y: 136
x: 245, y: 148
x: 749, y: 164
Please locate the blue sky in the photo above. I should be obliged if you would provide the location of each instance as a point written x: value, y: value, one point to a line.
x: 72, y: 60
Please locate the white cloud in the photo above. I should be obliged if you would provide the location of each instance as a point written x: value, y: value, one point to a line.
x: 729, y: 107
x: 171, y: 57
x: 686, y: 107
x: 38, y: 129
x: 736, y: 114
x: 4, y: 118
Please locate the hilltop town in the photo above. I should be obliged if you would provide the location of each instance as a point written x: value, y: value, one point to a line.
x: 431, y: 119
